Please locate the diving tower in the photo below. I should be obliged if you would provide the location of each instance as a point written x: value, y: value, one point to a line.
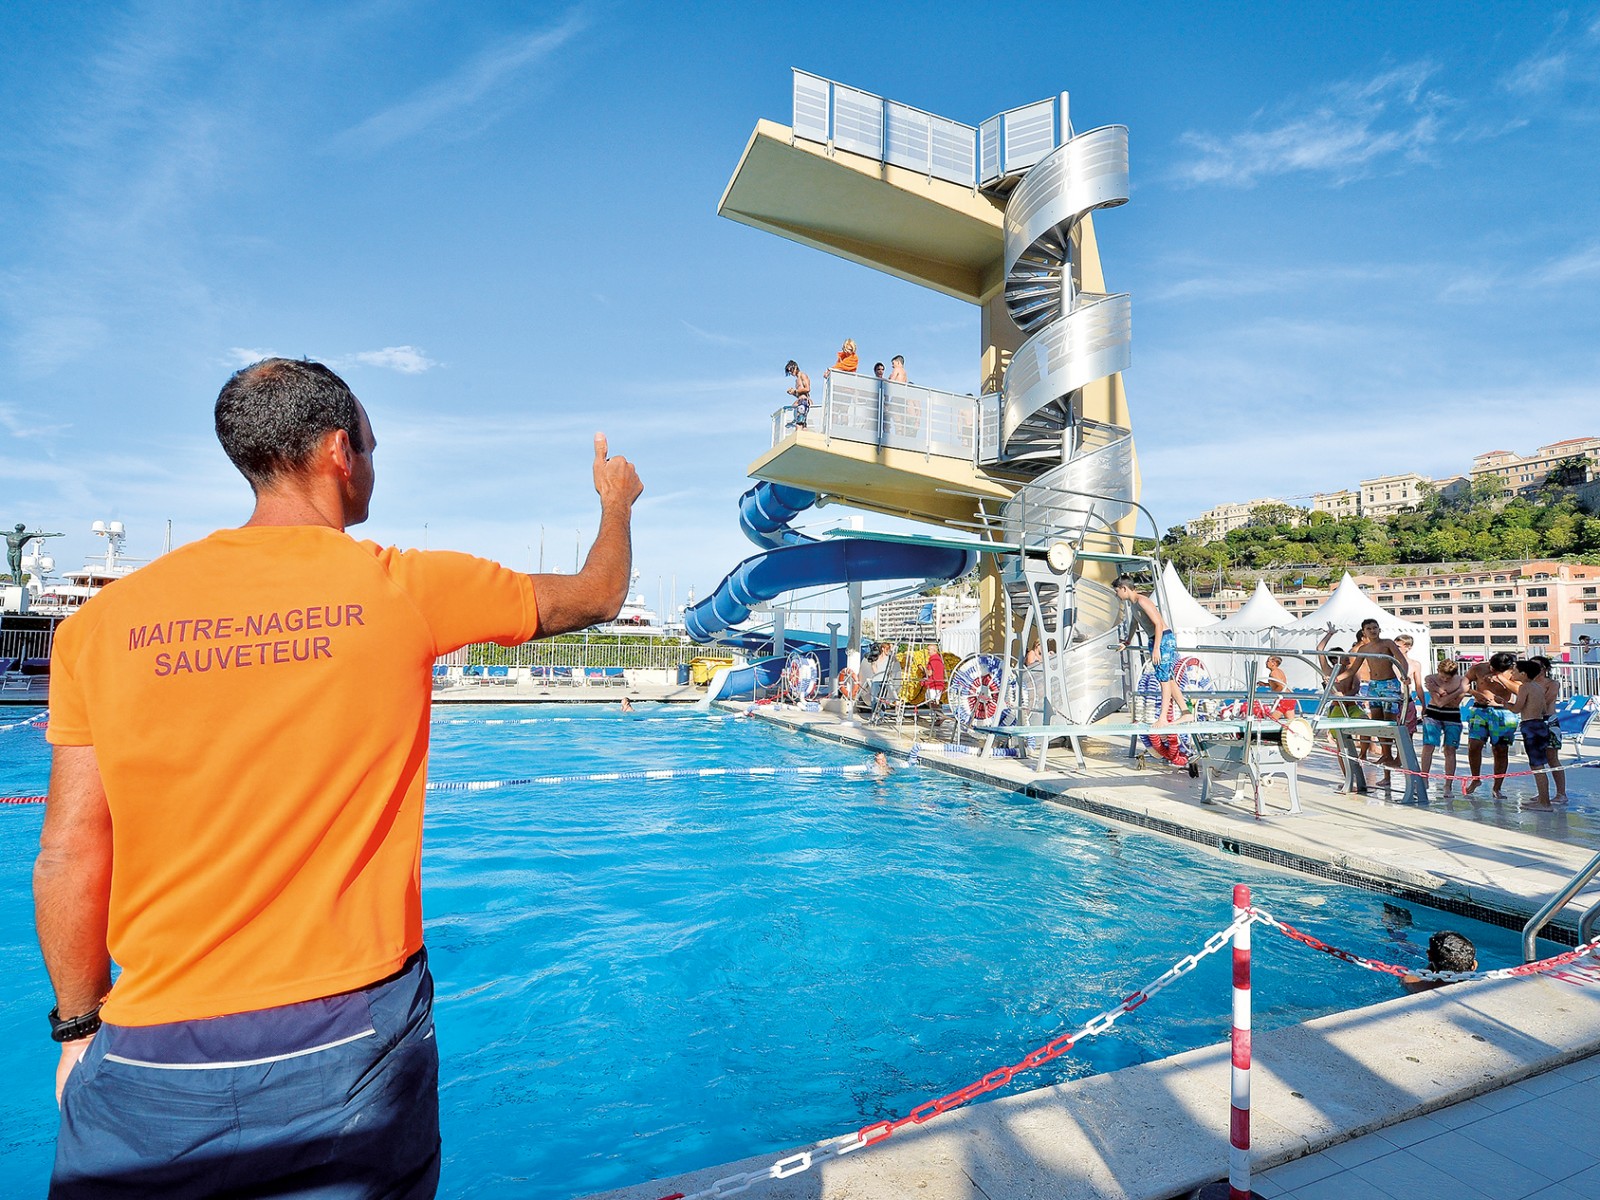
x: 1038, y: 463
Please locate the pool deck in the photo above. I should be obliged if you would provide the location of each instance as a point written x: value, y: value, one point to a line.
x: 1480, y: 1089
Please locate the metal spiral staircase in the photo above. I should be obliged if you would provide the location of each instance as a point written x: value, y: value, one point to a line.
x: 1078, y: 474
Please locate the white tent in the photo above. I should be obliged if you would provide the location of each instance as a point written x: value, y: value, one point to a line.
x: 1256, y: 624
x: 1189, y: 621
x: 962, y: 637
x: 1345, y: 610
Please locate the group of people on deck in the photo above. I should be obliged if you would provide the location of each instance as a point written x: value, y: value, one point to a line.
x: 1492, y: 700
x: 847, y: 361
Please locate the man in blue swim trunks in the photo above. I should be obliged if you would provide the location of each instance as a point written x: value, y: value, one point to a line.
x: 1491, y: 687
x: 1163, y: 648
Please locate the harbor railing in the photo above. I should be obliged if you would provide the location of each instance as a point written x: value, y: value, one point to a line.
x: 902, y: 416
x: 594, y: 650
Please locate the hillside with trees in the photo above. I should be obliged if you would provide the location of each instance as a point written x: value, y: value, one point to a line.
x: 1482, y: 525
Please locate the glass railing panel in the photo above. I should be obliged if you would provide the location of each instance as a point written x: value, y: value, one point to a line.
x: 857, y: 121
x: 811, y: 106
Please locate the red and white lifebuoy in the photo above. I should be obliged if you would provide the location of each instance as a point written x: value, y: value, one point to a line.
x: 849, y: 684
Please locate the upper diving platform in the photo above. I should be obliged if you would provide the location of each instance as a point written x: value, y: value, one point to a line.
x: 895, y: 448
x: 889, y: 186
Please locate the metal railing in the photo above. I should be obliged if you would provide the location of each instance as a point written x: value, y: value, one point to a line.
x: 1577, y: 679
x: 598, y: 650
x: 901, y: 416
x: 902, y: 136
x: 26, y: 643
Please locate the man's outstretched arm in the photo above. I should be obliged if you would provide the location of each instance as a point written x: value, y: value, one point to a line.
x: 596, y: 593
x: 72, y: 890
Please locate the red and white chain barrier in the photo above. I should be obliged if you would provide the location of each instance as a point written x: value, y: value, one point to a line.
x: 1458, y: 777
x: 1522, y: 971
x: 1238, y: 933
x: 879, y: 1131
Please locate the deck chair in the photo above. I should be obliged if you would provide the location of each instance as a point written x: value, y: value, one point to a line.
x: 1572, y: 717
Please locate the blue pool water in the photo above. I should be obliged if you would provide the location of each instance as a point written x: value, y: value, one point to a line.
x: 637, y: 979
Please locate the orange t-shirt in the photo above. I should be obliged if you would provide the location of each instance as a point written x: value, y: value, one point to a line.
x: 846, y: 362
x: 258, y: 704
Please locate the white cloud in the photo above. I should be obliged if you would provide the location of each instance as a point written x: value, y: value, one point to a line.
x: 1351, y: 127
x: 1537, y: 73
x: 470, y: 87
x: 1583, y: 263
x: 408, y: 360
x: 243, y: 356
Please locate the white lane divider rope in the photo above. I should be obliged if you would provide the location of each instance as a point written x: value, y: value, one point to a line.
x: 809, y: 772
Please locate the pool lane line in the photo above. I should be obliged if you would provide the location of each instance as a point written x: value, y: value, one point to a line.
x: 649, y: 776
x: 851, y: 770
x: 36, y: 721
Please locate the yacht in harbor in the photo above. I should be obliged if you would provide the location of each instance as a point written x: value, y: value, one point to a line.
x: 64, y: 596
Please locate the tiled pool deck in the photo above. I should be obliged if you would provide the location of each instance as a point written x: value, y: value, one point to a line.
x: 1487, y: 1089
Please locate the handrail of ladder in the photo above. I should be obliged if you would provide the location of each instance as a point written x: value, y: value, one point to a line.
x: 1530, y: 931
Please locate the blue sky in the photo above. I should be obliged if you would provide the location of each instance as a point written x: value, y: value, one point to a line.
x: 1362, y: 239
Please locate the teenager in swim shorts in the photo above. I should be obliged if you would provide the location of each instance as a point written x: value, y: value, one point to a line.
x: 1441, y: 718
x: 1488, y: 718
x: 1535, y: 704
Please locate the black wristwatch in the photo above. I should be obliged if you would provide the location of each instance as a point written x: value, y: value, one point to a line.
x: 74, y: 1028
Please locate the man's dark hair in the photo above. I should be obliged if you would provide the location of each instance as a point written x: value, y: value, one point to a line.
x: 1531, y: 667
x: 791, y: 365
x: 1124, y: 581
x: 271, y: 415
x: 1502, y: 660
x: 899, y: 358
x: 1451, y: 951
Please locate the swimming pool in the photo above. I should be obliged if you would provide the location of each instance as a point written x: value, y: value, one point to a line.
x: 637, y: 979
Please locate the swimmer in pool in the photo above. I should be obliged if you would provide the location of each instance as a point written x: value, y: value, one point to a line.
x: 1447, y: 951
x: 627, y: 705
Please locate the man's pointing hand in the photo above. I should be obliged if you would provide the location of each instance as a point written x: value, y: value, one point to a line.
x: 614, y: 478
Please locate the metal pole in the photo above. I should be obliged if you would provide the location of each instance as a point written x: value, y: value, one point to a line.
x: 833, y: 652
x: 1239, y: 1122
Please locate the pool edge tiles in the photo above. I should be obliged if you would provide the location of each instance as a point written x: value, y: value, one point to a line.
x: 1497, y: 876
x: 1159, y: 1129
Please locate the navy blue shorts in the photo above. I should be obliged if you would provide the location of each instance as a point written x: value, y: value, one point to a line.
x: 336, y: 1098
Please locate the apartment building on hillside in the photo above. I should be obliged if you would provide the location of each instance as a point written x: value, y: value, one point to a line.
x: 1389, y: 494
x: 1344, y: 503
x: 1529, y: 471
x: 1473, y: 612
x: 1220, y: 521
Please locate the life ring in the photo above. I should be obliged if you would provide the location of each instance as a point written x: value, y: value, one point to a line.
x: 975, y: 691
x: 801, y: 676
x: 1192, y: 676
x: 849, y: 684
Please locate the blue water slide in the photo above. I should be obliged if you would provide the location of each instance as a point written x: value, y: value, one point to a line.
x: 791, y: 560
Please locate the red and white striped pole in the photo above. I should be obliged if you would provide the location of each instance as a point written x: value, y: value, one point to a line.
x: 1239, y: 1121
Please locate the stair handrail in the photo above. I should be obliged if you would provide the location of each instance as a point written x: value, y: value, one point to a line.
x: 1530, y: 931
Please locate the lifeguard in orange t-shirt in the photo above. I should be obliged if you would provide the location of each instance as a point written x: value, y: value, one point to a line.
x: 240, y: 737
x: 848, y: 360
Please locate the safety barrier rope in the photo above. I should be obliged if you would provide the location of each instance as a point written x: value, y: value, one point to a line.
x: 21, y: 799
x: 484, y: 785
x: 1458, y: 777
x: 1523, y: 970
x: 36, y: 721
x: 879, y: 1131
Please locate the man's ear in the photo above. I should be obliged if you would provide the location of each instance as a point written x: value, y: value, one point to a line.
x: 337, y: 451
